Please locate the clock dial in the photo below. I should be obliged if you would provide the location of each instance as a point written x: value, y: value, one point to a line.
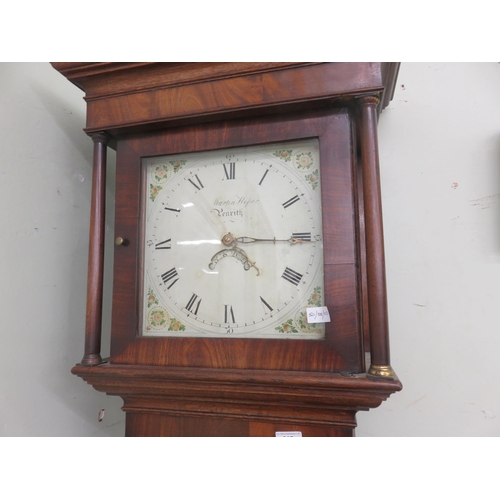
x: 233, y: 243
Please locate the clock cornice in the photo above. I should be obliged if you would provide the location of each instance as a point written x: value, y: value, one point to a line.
x: 134, y: 97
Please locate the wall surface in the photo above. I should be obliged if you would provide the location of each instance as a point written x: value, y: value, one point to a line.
x: 440, y: 170
x: 440, y: 173
x: 45, y: 180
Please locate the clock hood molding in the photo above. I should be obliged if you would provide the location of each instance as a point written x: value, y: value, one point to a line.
x: 133, y: 97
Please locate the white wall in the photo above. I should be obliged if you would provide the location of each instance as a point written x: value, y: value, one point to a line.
x: 440, y: 169
x: 45, y: 180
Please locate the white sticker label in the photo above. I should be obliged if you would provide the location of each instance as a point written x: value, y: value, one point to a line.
x: 318, y: 315
x: 289, y: 434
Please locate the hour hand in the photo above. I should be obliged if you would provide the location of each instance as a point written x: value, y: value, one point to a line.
x: 230, y: 241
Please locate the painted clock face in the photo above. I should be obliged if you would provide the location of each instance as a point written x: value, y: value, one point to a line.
x: 233, y: 243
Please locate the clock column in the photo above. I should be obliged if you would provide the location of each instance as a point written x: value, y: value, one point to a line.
x: 92, y: 355
x: 375, y: 258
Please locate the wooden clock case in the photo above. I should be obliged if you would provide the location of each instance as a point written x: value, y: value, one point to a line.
x: 242, y: 387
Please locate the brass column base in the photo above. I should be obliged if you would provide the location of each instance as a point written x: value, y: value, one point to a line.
x: 91, y: 359
x: 382, y: 371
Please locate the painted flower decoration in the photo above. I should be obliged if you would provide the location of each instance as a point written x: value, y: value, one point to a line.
x: 313, y: 179
x: 284, y: 154
x: 303, y: 324
x: 304, y: 160
x: 158, y: 318
x: 177, y: 164
x: 160, y: 172
x: 153, y: 191
x: 287, y: 327
x: 305, y: 327
x: 315, y: 298
x: 175, y: 325
x: 151, y: 297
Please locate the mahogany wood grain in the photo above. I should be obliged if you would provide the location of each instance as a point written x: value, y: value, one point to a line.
x: 342, y: 349
x: 157, y: 425
x: 105, y: 79
x: 361, y: 234
x: 207, y: 91
x: 375, y: 257
x: 157, y: 399
x: 264, y: 429
x: 92, y: 354
x: 339, y: 352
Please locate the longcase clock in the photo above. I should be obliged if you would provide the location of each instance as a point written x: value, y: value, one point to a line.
x: 249, y: 293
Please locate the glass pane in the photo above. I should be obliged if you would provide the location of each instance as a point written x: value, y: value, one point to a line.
x: 233, y: 243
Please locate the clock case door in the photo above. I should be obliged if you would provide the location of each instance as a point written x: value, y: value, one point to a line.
x: 342, y: 349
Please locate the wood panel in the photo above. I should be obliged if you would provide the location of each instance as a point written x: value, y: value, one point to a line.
x: 201, y: 401
x: 247, y: 90
x: 341, y: 351
x: 154, y: 425
x: 264, y: 429
x: 104, y: 79
x: 157, y: 425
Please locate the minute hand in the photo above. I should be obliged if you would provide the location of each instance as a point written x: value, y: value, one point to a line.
x: 292, y: 240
